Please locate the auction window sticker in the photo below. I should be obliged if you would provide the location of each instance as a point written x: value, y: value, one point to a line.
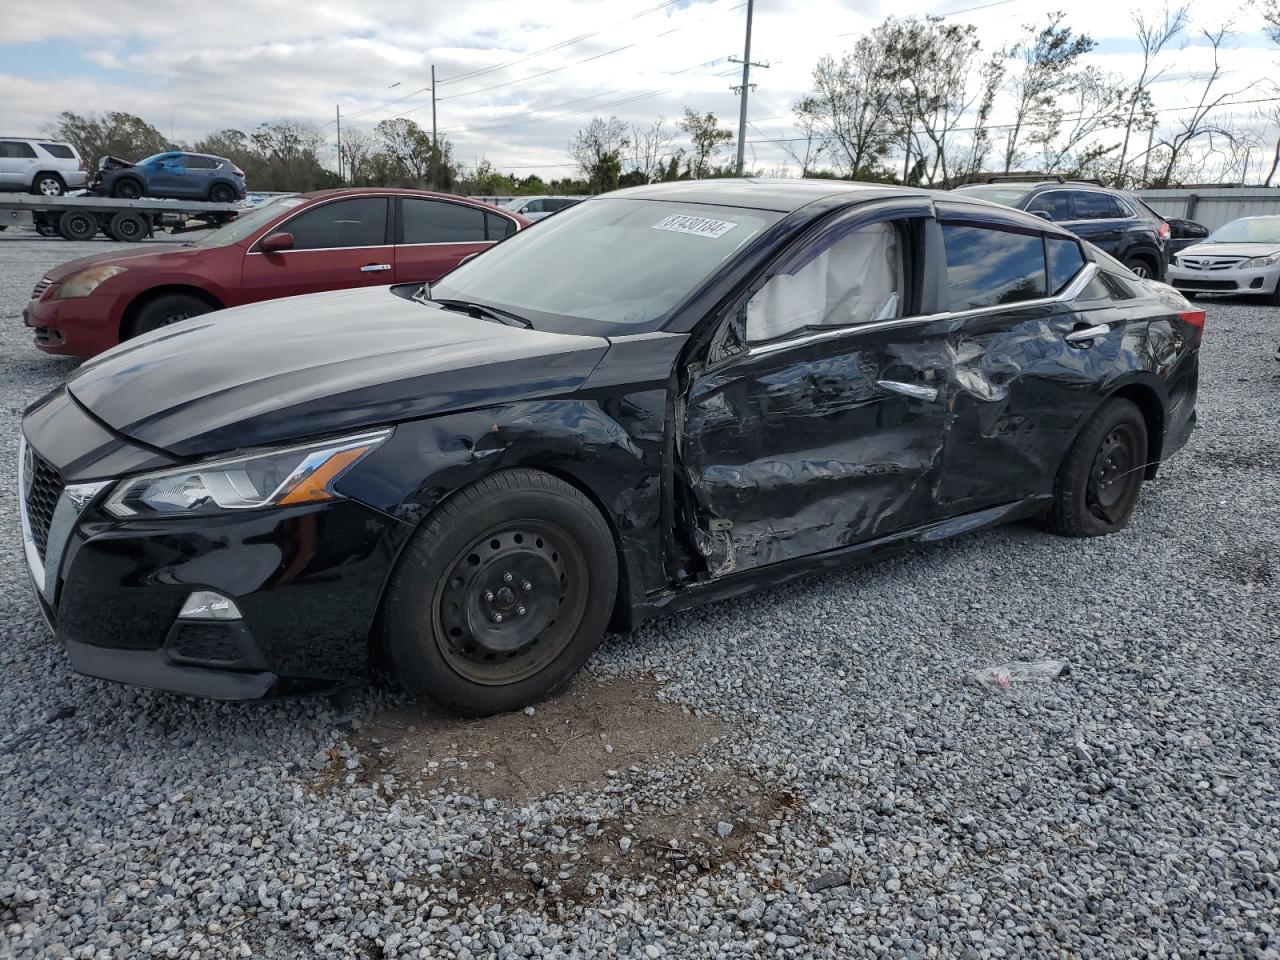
x: 695, y: 226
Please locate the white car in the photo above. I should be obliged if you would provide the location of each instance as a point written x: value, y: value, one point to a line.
x: 41, y: 166
x: 1241, y: 257
x: 535, y: 208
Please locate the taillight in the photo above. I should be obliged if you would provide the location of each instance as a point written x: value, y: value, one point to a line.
x: 82, y: 166
x: 1195, y: 319
x: 240, y: 173
x: 1165, y: 232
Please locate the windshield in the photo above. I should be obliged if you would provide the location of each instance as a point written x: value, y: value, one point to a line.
x: 1008, y: 196
x: 608, y: 266
x: 1248, y: 230
x: 249, y: 221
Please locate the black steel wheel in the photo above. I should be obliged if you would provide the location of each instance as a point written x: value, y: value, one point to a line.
x: 1098, y: 484
x: 76, y: 225
x: 501, y: 595
x: 127, y: 226
x: 127, y: 188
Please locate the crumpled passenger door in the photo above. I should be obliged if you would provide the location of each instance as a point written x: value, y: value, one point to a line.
x: 819, y: 439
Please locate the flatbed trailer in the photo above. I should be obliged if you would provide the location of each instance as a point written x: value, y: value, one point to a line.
x: 81, y: 218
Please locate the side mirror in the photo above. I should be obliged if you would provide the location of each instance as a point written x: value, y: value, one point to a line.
x: 277, y: 243
x: 1043, y: 215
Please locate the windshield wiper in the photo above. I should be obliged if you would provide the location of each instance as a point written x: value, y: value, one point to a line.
x: 482, y: 310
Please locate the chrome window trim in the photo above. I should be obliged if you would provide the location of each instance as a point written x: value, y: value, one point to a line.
x: 279, y: 253
x: 449, y: 243
x: 1069, y: 293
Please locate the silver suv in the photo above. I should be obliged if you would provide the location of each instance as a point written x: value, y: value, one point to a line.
x: 40, y: 165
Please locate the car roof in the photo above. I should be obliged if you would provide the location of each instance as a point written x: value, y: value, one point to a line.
x: 782, y: 196
x: 63, y: 143
x: 395, y: 191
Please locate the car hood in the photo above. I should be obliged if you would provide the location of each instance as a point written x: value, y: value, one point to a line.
x: 176, y: 257
x: 320, y: 364
x: 1230, y: 250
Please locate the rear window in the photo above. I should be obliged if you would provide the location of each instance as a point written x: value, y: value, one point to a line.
x: 59, y: 150
x: 438, y: 221
x: 1096, y: 206
x: 987, y: 266
x: 201, y: 163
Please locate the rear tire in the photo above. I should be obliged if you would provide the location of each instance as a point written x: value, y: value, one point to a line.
x: 222, y: 193
x: 77, y: 225
x: 501, y: 595
x: 1143, y: 267
x: 48, y: 185
x: 1098, y: 484
x: 127, y: 188
x: 127, y: 227
x: 165, y: 310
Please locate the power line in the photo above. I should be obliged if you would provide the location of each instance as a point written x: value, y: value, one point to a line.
x: 949, y: 13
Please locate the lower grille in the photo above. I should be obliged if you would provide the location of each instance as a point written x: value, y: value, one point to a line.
x: 42, y: 498
x: 1205, y: 284
x: 204, y: 642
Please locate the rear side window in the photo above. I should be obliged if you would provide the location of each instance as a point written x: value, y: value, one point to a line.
x: 356, y: 222
x: 988, y: 266
x: 498, y: 227
x: 1096, y: 206
x: 1056, y: 203
x: 59, y: 150
x: 1065, y: 260
x: 16, y: 150
x: 437, y: 221
x: 201, y: 163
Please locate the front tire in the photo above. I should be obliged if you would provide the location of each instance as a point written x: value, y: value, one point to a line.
x: 501, y: 595
x: 48, y: 185
x: 164, y: 311
x: 1098, y: 484
x: 127, y: 188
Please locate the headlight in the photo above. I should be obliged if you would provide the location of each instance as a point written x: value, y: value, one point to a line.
x: 1261, y: 261
x: 275, y: 478
x: 85, y: 282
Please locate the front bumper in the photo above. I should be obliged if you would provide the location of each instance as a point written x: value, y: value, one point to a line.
x: 306, y: 580
x: 1253, y: 281
x: 77, y: 327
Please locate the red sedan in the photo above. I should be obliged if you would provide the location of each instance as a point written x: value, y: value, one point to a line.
x: 328, y: 240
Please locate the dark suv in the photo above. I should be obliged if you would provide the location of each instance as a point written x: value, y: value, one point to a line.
x: 1115, y: 222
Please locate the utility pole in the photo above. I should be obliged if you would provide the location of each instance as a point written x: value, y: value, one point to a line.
x: 337, y: 110
x: 1146, y: 157
x: 435, y: 148
x: 746, y: 86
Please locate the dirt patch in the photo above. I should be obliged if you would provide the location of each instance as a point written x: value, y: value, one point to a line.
x: 571, y: 741
x: 654, y: 810
x: 1245, y: 565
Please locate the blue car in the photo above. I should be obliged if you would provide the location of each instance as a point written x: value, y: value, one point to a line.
x: 185, y: 176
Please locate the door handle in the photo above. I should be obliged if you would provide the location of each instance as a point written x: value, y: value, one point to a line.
x: 914, y: 390
x: 1088, y: 334
x: 375, y: 267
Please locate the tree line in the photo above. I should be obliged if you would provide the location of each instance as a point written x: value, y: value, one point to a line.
x: 910, y: 102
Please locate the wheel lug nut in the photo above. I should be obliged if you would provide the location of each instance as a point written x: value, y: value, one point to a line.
x: 519, y: 611
x: 488, y: 596
x: 527, y: 586
x: 497, y: 618
x: 507, y: 578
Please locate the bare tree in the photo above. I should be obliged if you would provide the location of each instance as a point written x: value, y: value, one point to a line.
x: 811, y: 136
x: 648, y: 147
x: 1097, y: 102
x: 1197, y: 124
x: 852, y: 105
x: 1270, y: 10
x: 991, y: 75
x: 597, y: 149
x: 1154, y: 33
x: 1049, y: 59
x: 931, y: 62
x: 1270, y: 118
x: 358, y: 149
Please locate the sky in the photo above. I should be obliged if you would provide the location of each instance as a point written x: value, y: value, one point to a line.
x: 516, y: 79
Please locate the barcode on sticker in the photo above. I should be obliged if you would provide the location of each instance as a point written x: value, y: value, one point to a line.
x: 697, y: 226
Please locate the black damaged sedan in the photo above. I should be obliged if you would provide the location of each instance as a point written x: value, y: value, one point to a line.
x: 659, y: 397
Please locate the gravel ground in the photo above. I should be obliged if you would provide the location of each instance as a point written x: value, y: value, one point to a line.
x: 798, y: 774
